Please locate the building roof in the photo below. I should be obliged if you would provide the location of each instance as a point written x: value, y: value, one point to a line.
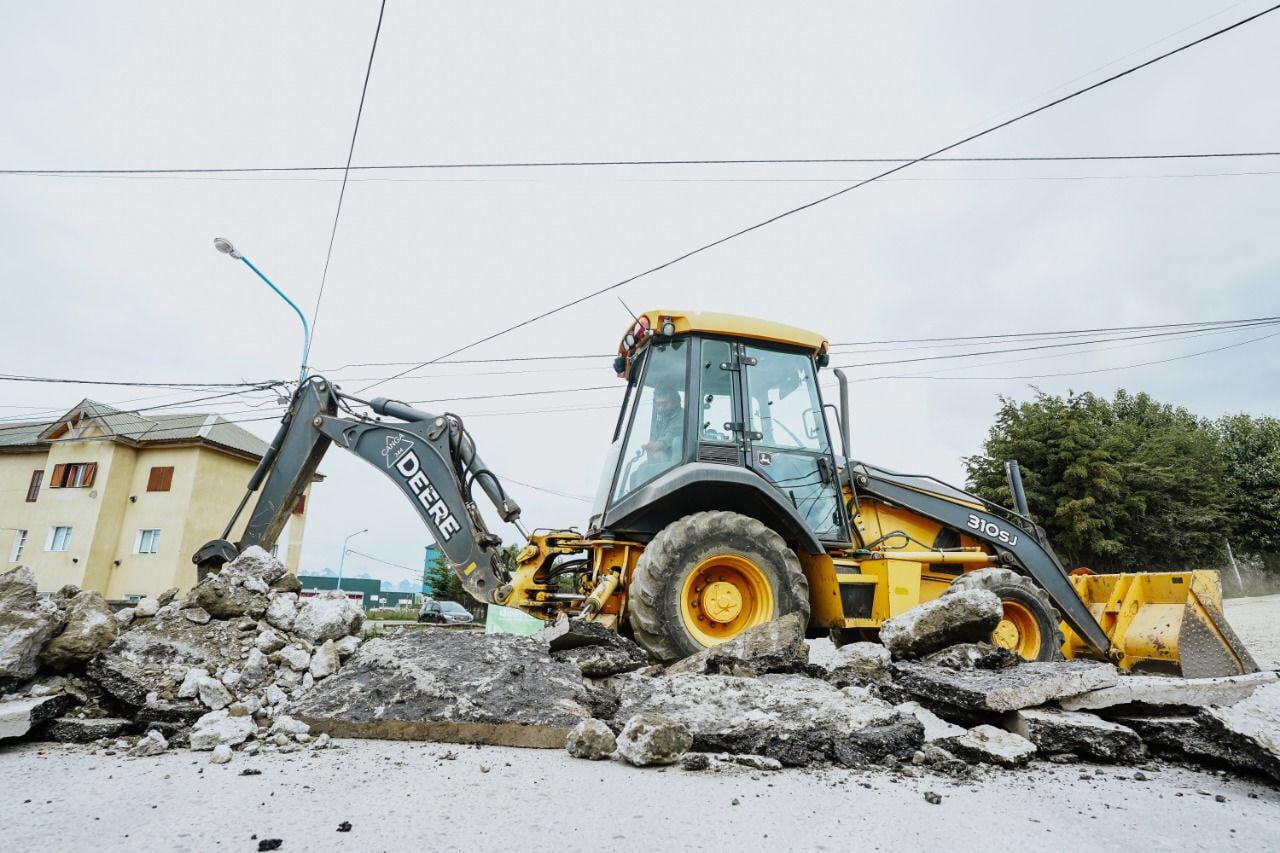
x: 133, y: 428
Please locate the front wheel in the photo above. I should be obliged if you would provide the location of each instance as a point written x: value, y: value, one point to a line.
x: 1030, y: 626
x: 708, y: 577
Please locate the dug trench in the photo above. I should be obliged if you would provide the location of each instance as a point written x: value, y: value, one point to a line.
x: 242, y: 666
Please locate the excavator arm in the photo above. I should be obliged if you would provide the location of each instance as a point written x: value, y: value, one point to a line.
x: 430, y: 458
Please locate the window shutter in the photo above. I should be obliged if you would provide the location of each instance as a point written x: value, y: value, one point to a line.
x: 160, y: 479
x: 33, y: 489
x: 301, y: 506
x: 59, y: 471
x: 90, y: 471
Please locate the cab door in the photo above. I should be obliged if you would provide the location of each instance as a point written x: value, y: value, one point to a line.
x: 786, y: 439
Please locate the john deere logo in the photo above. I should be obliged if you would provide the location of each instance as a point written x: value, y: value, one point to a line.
x: 397, y: 446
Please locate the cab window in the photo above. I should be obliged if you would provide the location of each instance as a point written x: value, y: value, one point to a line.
x: 656, y: 440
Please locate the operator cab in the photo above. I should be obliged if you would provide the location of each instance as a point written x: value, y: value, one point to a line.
x: 721, y: 412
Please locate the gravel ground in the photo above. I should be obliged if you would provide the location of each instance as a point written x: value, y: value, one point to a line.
x: 400, y: 796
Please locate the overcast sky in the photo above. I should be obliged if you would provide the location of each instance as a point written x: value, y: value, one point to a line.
x: 116, y: 278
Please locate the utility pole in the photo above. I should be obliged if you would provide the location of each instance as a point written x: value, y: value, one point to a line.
x: 1232, y: 559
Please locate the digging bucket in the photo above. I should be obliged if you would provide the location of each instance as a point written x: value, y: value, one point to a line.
x: 1162, y: 622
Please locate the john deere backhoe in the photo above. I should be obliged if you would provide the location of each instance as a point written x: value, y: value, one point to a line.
x: 722, y: 505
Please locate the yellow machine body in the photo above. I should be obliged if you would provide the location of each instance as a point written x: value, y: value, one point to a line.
x: 1160, y: 621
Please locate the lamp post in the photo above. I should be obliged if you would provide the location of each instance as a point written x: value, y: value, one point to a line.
x: 343, y: 559
x: 224, y: 245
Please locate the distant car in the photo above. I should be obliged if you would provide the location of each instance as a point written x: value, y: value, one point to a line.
x: 443, y: 613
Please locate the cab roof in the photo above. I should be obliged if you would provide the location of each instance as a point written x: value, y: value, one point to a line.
x: 730, y: 325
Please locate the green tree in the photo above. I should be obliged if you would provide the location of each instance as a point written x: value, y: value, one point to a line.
x: 444, y: 584
x: 1250, y: 452
x: 1121, y: 484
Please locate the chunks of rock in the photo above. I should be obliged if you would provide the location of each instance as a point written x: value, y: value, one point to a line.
x: 591, y: 739
x: 1251, y: 727
x: 327, y: 616
x: 1163, y: 691
x: 281, y: 611
x: 650, y: 739
x: 773, y: 647
x: 228, y: 594
x: 995, y: 746
x: 213, y: 694
x: 157, y: 655
x: 794, y: 719
x: 26, y: 624
x: 86, y: 729
x: 860, y: 664
x: 220, y: 727
x: 295, y: 658
x: 1023, y: 686
x: 257, y: 563
x: 325, y: 661
x: 19, y: 716
x: 153, y: 743
x: 597, y: 651
x: 1086, y: 735
x: 935, y: 728
x: 438, y: 684
x: 90, y: 628
x: 960, y: 617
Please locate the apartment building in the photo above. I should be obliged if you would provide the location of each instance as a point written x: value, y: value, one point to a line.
x: 117, y: 502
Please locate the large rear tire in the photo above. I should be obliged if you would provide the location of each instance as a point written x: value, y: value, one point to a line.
x: 708, y: 577
x: 1030, y: 627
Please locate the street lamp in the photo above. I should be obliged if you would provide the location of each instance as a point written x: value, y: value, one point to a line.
x: 343, y: 559
x: 222, y: 244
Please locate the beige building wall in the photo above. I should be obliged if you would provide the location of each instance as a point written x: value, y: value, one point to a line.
x: 107, y: 518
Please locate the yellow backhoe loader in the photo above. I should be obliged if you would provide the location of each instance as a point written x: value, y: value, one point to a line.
x: 723, y: 505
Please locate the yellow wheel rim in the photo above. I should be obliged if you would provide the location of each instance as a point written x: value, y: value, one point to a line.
x: 1018, y: 631
x: 723, y: 596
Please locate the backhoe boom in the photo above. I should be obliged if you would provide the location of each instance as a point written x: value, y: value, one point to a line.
x: 431, y: 458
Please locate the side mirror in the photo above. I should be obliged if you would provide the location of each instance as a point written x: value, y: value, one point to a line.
x: 811, y: 428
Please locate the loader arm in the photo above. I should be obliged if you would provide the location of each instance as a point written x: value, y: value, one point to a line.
x: 430, y: 458
x: 1015, y: 538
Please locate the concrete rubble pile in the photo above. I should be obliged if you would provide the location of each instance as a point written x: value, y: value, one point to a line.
x: 240, y: 663
x: 214, y: 671
x: 938, y: 697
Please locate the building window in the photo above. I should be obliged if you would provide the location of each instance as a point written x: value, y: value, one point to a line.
x: 19, y: 542
x: 148, y: 542
x: 33, y: 488
x: 275, y: 550
x: 161, y: 479
x: 59, y: 539
x: 73, y: 475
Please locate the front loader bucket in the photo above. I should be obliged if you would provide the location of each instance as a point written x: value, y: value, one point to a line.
x: 1168, y: 622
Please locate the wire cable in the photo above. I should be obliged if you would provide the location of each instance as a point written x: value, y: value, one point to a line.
x: 556, y: 164
x: 830, y: 196
x: 324, y: 276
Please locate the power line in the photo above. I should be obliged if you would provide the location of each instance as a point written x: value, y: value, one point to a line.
x: 976, y: 353
x: 324, y: 276
x: 178, y: 386
x: 383, y: 562
x: 1076, y: 372
x: 929, y: 342
x: 554, y: 164
x: 792, y: 211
